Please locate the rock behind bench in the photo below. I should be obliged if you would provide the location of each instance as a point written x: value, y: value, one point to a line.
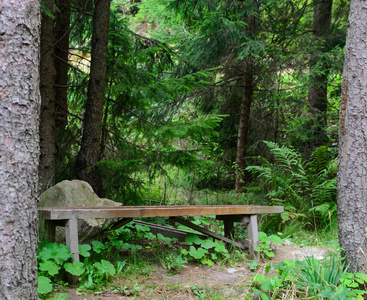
x: 76, y: 193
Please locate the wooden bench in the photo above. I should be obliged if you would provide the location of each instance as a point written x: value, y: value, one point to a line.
x: 68, y: 216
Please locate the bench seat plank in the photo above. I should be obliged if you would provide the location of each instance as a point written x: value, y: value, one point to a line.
x: 64, y: 213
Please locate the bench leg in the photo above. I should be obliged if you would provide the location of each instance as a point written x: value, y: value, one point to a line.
x: 253, y: 237
x: 71, y: 234
x: 50, y: 229
x: 228, y: 228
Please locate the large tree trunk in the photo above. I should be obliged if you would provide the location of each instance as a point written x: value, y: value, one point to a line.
x: 317, y: 91
x: 89, y: 153
x: 352, y: 160
x: 62, y: 30
x: 47, y: 119
x: 19, y: 147
x: 243, y: 127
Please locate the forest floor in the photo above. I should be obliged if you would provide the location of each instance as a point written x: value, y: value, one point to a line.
x: 194, y: 281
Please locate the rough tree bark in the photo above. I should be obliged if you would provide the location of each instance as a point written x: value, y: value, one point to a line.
x: 317, y: 91
x: 243, y: 127
x: 89, y: 153
x: 62, y: 32
x: 47, y: 118
x: 19, y: 147
x: 247, y: 97
x: 352, y: 159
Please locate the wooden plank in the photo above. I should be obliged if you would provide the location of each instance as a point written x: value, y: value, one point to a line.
x: 72, y: 241
x: 62, y: 213
x: 169, y: 231
x: 253, y: 237
x: 207, y: 232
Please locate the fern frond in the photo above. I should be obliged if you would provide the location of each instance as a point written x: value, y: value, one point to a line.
x: 325, y: 191
x: 319, y: 160
x: 326, y: 210
x: 285, y: 157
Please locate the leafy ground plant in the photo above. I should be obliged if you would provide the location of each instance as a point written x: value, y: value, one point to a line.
x: 173, y: 263
x: 265, y: 242
x: 206, y: 251
x: 53, y: 263
x: 309, y: 279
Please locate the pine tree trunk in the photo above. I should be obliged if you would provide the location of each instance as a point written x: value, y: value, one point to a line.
x: 89, y: 153
x: 62, y: 28
x: 19, y: 147
x: 243, y: 127
x: 247, y: 97
x: 352, y: 159
x: 317, y: 92
x: 47, y: 118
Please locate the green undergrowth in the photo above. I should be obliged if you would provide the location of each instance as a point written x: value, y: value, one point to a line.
x: 309, y: 279
x: 131, y: 250
x: 133, y: 254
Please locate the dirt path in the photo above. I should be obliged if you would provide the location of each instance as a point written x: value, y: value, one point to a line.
x: 217, y: 282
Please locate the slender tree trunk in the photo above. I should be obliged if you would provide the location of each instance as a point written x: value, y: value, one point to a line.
x: 91, y: 141
x: 317, y: 92
x: 62, y: 28
x: 19, y: 147
x: 243, y: 128
x: 352, y: 160
x: 47, y: 118
x: 247, y: 97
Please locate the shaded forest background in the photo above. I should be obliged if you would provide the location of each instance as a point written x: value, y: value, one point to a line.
x: 196, y: 102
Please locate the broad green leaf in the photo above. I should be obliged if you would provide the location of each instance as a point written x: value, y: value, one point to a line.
x: 44, y: 285
x: 205, y: 222
x: 208, y: 243
x: 220, y: 248
x: 264, y: 296
x: 267, y: 268
x: 192, y: 239
x: 150, y: 236
x: 253, y: 265
x: 263, y: 237
x: 197, y: 253
x: 276, y: 239
x: 142, y: 228
x: 267, y: 285
x: 259, y: 277
x: 76, y: 268
x: 207, y: 261
x: 50, y: 267
x: 164, y: 238
x: 98, y: 246
x: 184, y: 252
x: 269, y: 254
x: 105, y: 267
x: 84, y: 250
x: 58, y: 252
x: 62, y: 296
